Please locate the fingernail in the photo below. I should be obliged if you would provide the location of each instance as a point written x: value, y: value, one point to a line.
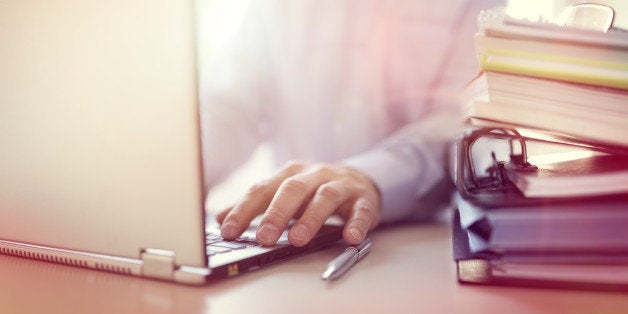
x: 356, y: 233
x: 300, y: 233
x: 267, y: 234
x: 229, y: 230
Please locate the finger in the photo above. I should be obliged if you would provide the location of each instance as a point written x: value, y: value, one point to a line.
x: 293, y: 194
x: 328, y: 198
x: 255, y: 202
x: 252, y: 204
x: 290, y: 197
x: 220, y: 216
x: 363, y: 217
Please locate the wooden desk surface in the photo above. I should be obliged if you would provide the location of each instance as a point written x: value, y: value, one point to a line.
x: 409, y: 270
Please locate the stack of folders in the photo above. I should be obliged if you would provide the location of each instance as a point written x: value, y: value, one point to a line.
x: 542, y: 173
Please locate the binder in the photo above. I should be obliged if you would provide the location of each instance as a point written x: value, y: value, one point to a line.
x: 495, y: 188
x: 502, y: 237
x: 567, y: 271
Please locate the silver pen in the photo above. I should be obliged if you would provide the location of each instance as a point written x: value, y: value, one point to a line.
x: 339, y: 265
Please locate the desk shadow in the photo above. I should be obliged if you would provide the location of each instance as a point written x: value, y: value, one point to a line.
x: 418, y: 242
x: 37, y: 286
x: 543, y: 299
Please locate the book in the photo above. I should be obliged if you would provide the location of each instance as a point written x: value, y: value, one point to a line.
x: 485, y: 43
x: 558, y: 67
x: 544, y: 49
x: 599, y: 174
x: 497, y: 23
x: 532, y: 91
x: 593, y: 65
x: 589, y: 129
x: 592, y: 113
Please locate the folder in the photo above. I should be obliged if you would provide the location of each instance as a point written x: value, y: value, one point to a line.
x: 500, y: 236
x: 566, y: 270
x: 592, y: 226
x: 508, y: 153
x: 594, y: 175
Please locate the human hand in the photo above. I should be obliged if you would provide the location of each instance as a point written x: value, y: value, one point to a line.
x: 310, y: 192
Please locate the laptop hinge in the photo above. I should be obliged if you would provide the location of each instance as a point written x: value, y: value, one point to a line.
x: 158, y: 263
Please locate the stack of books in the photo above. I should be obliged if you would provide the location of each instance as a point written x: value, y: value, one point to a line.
x: 542, y: 174
x: 578, y: 77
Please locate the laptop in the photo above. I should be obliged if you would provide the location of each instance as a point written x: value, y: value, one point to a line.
x: 100, y: 162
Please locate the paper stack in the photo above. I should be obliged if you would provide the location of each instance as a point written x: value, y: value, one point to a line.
x: 542, y: 175
x: 579, y: 78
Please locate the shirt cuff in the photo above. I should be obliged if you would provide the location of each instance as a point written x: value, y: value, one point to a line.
x: 399, y: 174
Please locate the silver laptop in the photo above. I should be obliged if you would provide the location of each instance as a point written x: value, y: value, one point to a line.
x: 99, y: 143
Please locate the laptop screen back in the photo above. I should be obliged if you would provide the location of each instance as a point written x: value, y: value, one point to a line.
x: 99, y: 131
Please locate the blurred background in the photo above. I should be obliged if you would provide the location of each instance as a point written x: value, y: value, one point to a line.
x: 219, y: 20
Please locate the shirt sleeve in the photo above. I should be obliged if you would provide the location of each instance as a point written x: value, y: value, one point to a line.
x: 410, y: 168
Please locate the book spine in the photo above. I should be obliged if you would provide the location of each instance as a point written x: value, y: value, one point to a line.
x: 590, y: 72
x: 587, y: 128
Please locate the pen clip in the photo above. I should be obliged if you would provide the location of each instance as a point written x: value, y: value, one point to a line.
x: 344, y: 261
x: 363, y: 248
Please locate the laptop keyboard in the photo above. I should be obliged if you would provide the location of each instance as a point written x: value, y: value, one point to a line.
x: 215, y: 244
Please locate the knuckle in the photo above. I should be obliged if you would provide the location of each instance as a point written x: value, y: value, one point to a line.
x: 234, y: 216
x: 330, y: 191
x: 276, y: 214
x: 293, y: 166
x: 259, y: 189
x: 293, y: 185
x: 312, y: 220
x: 364, y: 209
x: 322, y: 169
x: 366, y: 214
x: 362, y: 220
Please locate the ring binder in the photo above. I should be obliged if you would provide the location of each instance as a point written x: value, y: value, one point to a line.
x: 495, y: 188
x: 497, y: 227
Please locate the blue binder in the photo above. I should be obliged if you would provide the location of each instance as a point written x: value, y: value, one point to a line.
x: 501, y: 237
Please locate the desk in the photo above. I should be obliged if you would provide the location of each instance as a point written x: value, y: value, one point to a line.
x: 409, y: 270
